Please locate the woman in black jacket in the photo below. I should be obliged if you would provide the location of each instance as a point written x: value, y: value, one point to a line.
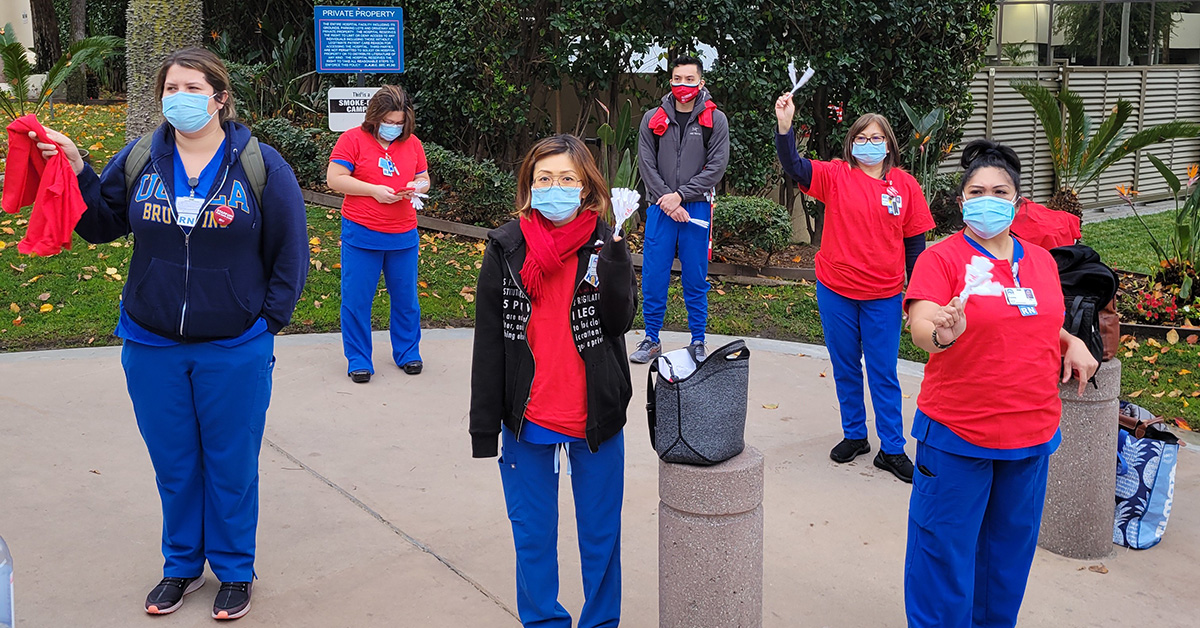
x: 555, y: 298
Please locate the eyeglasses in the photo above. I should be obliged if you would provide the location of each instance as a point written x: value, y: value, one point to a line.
x: 862, y: 140
x: 565, y: 181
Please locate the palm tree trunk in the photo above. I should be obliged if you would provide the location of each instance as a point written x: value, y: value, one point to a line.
x: 77, y: 84
x: 154, y: 29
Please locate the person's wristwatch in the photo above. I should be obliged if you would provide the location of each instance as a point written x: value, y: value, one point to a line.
x: 940, y: 345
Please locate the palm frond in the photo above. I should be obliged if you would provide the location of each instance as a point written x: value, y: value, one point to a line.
x: 82, y: 53
x: 1075, y: 135
x: 1107, y: 138
x: 1046, y: 107
x: 17, y: 70
x: 1176, y: 129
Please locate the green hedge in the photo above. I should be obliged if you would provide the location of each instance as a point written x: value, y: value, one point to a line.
x: 464, y: 189
x: 751, y: 222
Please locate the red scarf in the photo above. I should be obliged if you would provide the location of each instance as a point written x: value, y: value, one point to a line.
x: 548, y: 247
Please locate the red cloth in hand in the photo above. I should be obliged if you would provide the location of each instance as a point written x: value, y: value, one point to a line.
x: 548, y: 247
x: 50, y: 186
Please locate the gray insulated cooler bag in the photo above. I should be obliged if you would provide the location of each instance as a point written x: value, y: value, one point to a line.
x: 697, y: 411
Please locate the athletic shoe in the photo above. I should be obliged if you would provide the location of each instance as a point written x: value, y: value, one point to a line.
x: 167, y: 597
x: 646, y: 350
x: 359, y: 377
x: 849, y: 449
x: 233, y: 600
x: 898, y: 464
x: 413, y: 368
x: 699, y: 350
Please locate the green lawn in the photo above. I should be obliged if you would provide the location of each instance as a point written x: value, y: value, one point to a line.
x: 1124, y: 243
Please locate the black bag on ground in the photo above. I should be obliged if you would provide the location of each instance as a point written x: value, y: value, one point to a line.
x: 699, y: 417
x: 1088, y: 285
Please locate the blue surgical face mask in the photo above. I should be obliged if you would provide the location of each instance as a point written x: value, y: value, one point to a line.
x: 556, y: 203
x: 988, y: 216
x: 187, y: 112
x: 390, y: 132
x: 869, y: 154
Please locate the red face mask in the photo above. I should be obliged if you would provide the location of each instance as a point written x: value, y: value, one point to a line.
x: 685, y: 93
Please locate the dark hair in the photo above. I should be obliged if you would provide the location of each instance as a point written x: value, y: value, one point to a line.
x: 214, y: 72
x: 891, y: 160
x: 988, y: 154
x: 388, y: 99
x: 595, y: 188
x: 688, y: 60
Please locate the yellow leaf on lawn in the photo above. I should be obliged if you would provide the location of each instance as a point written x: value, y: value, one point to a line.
x: 1152, y: 342
x: 8, y: 230
x: 14, y: 308
x: 1173, y: 337
x: 107, y: 271
x: 1184, y: 372
x: 338, y: 266
x: 1129, y: 354
x: 1137, y: 393
x: 117, y: 277
x: 46, y: 307
x: 3, y: 245
x: 1158, y: 395
x: 315, y: 241
x: 96, y: 146
x: 422, y: 284
x: 1151, y: 358
x: 770, y: 406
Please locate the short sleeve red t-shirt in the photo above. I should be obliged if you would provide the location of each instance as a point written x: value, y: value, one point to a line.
x: 866, y: 221
x: 997, y: 386
x: 1045, y: 227
x: 393, y: 166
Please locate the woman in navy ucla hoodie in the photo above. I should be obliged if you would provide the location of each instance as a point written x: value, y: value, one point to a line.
x: 215, y: 274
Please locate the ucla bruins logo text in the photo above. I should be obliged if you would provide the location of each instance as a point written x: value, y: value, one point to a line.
x: 152, y: 194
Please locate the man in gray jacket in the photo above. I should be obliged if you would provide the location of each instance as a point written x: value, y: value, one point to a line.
x: 683, y: 149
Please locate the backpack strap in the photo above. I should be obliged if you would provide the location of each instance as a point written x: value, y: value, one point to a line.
x: 652, y: 401
x: 135, y: 163
x: 255, y: 167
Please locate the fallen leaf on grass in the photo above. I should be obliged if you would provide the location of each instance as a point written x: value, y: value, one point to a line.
x: 1129, y: 354
x: 8, y: 230
x: 1150, y: 358
x: 316, y: 303
x: 771, y: 406
x: 1101, y: 569
x: 422, y: 284
x: 466, y: 293
x: 107, y: 271
x: 1158, y: 395
x: 1173, y: 337
x: 1152, y: 342
x: 1174, y: 393
x: 1184, y: 372
x: 45, y: 296
x: 1192, y: 339
x: 315, y: 241
x: 46, y: 307
x: 317, y: 264
x: 1137, y: 393
x: 18, y: 321
x: 1164, y: 349
x: 720, y: 292
x: 14, y: 308
x: 337, y: 266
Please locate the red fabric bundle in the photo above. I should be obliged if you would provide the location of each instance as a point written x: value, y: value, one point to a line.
x: 50, y: 186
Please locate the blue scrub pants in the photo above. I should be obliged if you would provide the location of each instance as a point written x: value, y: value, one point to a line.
x: 360, y: 279
x: 666, y: 240
x: 972, y: 531
x: 530, y: 477
x: 201, y: 409
x: 854, y: 328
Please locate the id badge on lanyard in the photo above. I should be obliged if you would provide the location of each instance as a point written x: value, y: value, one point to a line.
x: 1021, y: 298
x: 187, y: 210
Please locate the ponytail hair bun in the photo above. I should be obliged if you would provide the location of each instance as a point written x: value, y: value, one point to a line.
x: 988, y: 154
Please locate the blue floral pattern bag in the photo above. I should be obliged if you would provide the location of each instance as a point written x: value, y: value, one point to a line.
x: 1147, y: 453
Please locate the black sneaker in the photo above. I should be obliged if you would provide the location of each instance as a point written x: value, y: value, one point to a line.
x: 359, y: 377
x: 167, y: 597
x: 233, y: 600
x: 898, y: 464
x: 413, y: 368
x: 646, y: 350
x: 699, y: 350
x: 849, y: 449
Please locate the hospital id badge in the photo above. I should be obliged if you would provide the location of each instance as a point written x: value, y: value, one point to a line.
x: 1020, y: 297
x: 187, y: 209
x: 591, y: 276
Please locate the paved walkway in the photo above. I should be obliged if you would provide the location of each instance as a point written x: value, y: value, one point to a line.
x: 374, y: 514
x: 1114, y: 212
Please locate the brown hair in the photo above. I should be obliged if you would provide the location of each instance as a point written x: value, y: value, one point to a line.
x: 214, y: 72
x: 892, y: 160
x: 595, y: 196
x: 388, y: 99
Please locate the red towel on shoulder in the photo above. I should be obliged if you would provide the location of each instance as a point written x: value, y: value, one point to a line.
x: 50, y: 186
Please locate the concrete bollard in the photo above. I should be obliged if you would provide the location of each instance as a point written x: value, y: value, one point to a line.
x: 710, y: 543
x: 1078, y: 520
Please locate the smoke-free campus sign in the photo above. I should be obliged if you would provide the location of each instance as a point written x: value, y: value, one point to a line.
x: 359, y: 39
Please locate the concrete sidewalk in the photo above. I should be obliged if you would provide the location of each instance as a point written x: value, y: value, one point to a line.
x: 374, y: 514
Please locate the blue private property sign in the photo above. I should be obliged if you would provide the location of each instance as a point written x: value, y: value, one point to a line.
x: 359, y: 39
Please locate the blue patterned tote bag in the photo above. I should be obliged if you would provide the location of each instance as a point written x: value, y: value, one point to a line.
x: 1146, y: 456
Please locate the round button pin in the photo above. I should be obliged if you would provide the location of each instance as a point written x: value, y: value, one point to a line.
x: 223, y: 215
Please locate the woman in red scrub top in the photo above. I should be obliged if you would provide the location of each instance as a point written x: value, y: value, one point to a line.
x: 875, y: 223
x: 988, y: 413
